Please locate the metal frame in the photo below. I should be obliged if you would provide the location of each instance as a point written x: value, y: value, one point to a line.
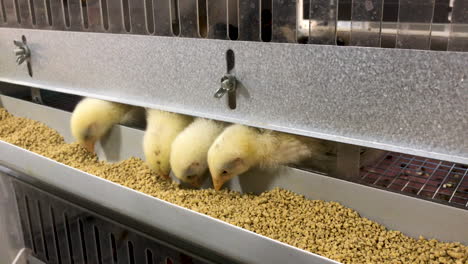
x: 398, y: 100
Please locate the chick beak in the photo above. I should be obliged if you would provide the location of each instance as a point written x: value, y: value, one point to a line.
x: 89, y: 145
x: 218, y: 183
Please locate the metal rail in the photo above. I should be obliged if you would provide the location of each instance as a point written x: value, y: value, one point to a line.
x: 315, y: 21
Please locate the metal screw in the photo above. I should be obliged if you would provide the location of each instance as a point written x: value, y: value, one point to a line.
x: 228, y: 85
x: 23, y: 53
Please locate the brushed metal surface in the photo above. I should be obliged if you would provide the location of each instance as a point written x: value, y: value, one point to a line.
x: 399, y: 100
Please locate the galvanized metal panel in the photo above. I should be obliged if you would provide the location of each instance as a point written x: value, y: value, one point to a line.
x: 399, y: 100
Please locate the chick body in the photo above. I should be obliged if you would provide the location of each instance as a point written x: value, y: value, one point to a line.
x: 239, y: 148
x: 161, y: 130
x: 190, y: 149
x: 93, y: 118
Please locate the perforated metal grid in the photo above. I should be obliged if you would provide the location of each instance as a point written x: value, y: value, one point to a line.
x: 60, y: 232
x: 439, y: 181
x: 438, y: 25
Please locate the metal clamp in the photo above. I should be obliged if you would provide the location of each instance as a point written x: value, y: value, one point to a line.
x: 228, y: 85
x: 23, y: 53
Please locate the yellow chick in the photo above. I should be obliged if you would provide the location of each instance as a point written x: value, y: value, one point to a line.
x: 161, y: 130
x: 93, y: 118
x: 239, y: 148
x: 190, y: 149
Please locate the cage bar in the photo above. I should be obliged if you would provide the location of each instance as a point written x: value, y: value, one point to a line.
x: 284, y: 21
x: 162, y: 18
x: 366, y: 22
x: 249, y: 20
x: 323, y: 16
x: 415, y: 15
x: 138, y: 17
x: 217, y: 19
x: 188, y: 14
x: 458, y: 40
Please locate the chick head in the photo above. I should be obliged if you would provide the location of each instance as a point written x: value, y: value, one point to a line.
x: 157, y: 154
x: 190, y: 149
x: 91, y: 120
x: 188, y: 162
x: 232, y: 154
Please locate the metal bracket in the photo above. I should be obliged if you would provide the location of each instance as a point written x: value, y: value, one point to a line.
x: 228, y: 81
x: 23, y: 53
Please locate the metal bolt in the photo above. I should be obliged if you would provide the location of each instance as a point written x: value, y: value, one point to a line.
x: 228, y: 84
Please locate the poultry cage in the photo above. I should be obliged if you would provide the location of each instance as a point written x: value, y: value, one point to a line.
x: 386, y: 76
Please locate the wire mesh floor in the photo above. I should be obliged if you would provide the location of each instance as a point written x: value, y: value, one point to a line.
x: 439, y: 181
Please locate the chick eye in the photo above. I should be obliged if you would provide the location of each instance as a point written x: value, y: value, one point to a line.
x: 225, y: 172
x: 190, y: 177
